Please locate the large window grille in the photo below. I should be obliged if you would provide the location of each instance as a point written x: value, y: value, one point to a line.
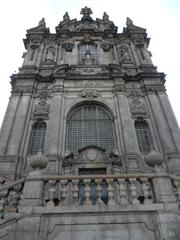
x: 143, y: 136
x: 88, y: 125
x: 87, y: 48
x: 38, y: 137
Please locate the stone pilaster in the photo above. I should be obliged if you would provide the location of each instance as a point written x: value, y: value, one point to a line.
x: 8, y: 123
x: 18, y: 126
x: 161, y: 124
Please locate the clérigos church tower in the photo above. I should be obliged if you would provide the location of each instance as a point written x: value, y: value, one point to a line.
x: 89, y: 145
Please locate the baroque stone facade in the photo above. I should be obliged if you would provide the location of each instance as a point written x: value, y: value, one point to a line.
x: 89, y: 142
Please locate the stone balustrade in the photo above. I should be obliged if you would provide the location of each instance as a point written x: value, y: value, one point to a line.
x: 107, y: 190
x: 98, y: 190
x: 93, y: 190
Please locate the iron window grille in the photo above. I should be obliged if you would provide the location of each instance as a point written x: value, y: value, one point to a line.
x: 87, y: 125
x: 87, y: 48
x: 143, y: 136
x: 38, y: 138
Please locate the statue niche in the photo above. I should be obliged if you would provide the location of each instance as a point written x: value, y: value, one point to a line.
x: 88, y: 60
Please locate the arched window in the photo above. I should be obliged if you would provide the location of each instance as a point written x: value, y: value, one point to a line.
x: 83, y: 49
x: 90, y: 124
x: 38, y: 137
x: 143, y: 136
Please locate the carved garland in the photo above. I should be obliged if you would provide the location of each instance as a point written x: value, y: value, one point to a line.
x: 136, y: 105
x: 90, y: 94
x: 41, y: 110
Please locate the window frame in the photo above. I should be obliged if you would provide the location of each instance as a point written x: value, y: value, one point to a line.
x: 88, y: 48
x: 97, y: 137
x: 143, y: 135
x: 37, y: 142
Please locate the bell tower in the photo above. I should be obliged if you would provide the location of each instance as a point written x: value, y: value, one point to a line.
x: 89, y: 141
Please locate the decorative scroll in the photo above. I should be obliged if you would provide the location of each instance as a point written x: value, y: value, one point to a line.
x: 90, y: 93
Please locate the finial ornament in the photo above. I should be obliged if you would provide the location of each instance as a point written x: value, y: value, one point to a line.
x: 66, y: 17
x: 129, y: 22
x: 86, y: 12
x: 42, y: 23
x: 105, y: 17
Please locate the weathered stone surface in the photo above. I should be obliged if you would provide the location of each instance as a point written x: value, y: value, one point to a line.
x: 93, y: 193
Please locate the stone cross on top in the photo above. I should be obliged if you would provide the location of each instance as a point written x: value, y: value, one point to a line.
x: 86, y: 13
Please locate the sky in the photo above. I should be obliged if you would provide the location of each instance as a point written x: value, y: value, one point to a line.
x: 161, y: 18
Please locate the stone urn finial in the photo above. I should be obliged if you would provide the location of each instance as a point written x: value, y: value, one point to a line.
x: 153, y: 159
x: 38, y: 161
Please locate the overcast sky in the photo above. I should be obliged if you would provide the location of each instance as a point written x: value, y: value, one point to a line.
x: 161, y: 18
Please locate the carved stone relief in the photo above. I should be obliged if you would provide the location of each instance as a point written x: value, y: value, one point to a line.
x: 125, y: 56
x: 136, y: 105
x: 22, y: 90
x: 41, y: 110
x: 50, y: 56
x: 154, y: 89
x: 120, y: 88
x: 90, y: 93
x: 105, y: 46
x: 68, y: 46
x: 89, y: 84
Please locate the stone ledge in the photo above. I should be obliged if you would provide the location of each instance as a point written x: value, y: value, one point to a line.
x: 96, y: 209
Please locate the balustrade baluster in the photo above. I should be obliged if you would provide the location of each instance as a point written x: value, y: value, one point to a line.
x: 87, y: 191
x: 123, y: 191
x: 63, y: 192
x: 133, y: 191
x: 110, y: 190
x: 99, y: 192
x: 146, y: 191
x: 75, y: 191
x: 51, y: 192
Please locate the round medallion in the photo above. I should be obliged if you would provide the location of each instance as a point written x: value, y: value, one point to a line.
x: 92, y: 155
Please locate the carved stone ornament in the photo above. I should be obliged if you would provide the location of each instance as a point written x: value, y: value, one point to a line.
x: 68, y: 46
x: 66, y: 17
x: 134, y: 93
x: 38, y: 161
x: 137, y: 108
x: 35, y: 40
x: 86, y: 12
x: 90, y: 94
x: 121, y: 88
x: 105, y: 46
x: 105, y: 17
x: 153, y: 159
x: 42, y: 23
x: 88, y: 59
x: 124, y: 54
x: 50, y: 56
x: 41, y: 110
x: 136, y: 104
x: 156, y: 89
x: 22, y: 90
